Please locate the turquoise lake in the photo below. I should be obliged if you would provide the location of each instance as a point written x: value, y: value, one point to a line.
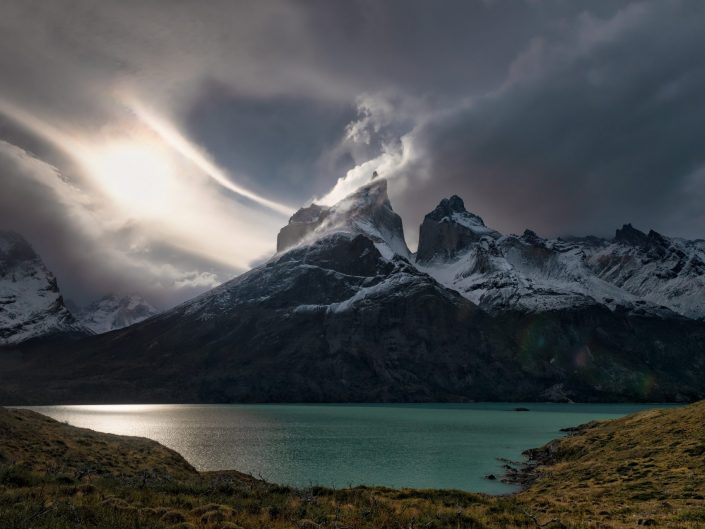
x: 404, y: 445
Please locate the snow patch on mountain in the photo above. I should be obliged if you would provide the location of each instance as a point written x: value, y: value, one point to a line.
x: 394, y: 285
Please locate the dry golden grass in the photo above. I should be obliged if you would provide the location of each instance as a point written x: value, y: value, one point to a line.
x: 649, y: 466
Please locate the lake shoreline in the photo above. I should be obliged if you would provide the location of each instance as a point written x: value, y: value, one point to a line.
x: 429, y: 446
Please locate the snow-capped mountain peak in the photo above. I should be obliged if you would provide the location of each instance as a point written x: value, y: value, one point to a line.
x: 367, y: 211
x: 449, y: 230
x: 31, y: 304
x: 453, y: 210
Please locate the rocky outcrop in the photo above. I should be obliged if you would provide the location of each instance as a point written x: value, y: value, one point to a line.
x: 630, y: 235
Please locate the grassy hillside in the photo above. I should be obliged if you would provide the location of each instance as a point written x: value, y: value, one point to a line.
x: 646, y: 469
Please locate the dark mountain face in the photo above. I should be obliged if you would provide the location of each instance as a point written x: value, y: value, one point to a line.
x: 344, y: 315
x: 340, y: 323
x: 302, y: 224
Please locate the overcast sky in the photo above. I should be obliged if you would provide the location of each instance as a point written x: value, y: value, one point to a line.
x: 157, y: 147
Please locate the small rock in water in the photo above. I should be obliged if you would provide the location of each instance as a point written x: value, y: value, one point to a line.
x: 521, y: 409
x: 491, y: 477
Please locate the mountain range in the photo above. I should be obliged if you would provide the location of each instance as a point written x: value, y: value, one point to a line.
x: 345, y: 312
x: 32, y: 306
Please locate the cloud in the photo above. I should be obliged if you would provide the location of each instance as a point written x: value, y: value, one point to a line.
x: 377, y: 140
x: 593, y: 127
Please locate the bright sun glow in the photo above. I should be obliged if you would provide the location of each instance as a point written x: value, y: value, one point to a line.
x: 138, y: 177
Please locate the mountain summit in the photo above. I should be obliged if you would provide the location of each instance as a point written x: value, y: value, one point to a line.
x: 367, y: 212
x: 449, y: 230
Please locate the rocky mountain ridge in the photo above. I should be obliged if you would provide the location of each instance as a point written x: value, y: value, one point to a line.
x: 634, y: 272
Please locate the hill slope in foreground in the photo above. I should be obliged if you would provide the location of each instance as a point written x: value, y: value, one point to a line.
x: 644, y: 469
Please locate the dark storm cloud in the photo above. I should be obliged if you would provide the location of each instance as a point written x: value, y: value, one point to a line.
x: 559, y: 116
x: 600, y: 125
x: 276, y: 143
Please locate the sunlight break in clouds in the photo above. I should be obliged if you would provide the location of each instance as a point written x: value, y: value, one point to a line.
x: 158, y: 185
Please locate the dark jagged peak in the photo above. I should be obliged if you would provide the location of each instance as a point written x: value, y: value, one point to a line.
x: 449, y: 230
x: 312, y: 213
x: 452, y: 209
x: 14, y: 249
x: 656, y: 238
x: 531, y: 237
x: 366, y: 211
x: 632, y: 236
x: 628, y: 234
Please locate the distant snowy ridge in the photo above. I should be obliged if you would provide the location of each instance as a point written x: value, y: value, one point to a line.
x: 31, y: 304
x: 662, y: 270
x: 635, y: 272
x: 112, y: 312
